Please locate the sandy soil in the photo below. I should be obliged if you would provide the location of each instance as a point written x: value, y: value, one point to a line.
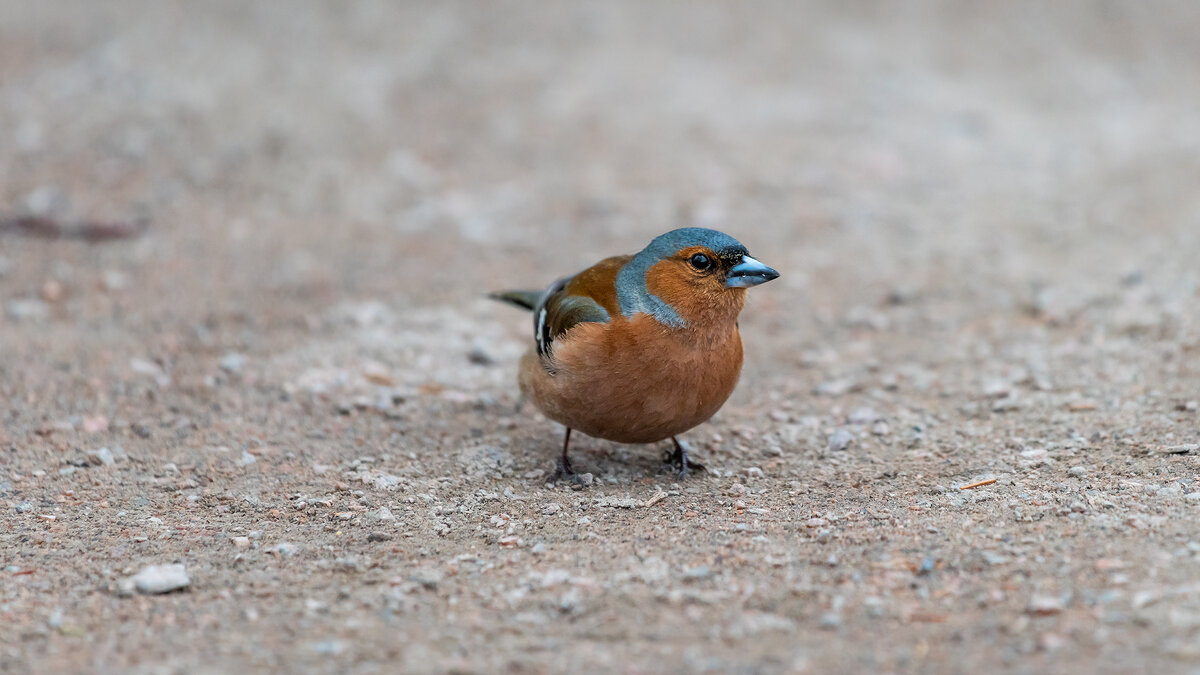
x: 988, y: 224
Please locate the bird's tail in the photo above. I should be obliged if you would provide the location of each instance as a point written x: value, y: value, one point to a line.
x: 524, y: 299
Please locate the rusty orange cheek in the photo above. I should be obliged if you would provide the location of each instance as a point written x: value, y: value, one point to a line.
x: 680, y: 288
x: 668, y: 281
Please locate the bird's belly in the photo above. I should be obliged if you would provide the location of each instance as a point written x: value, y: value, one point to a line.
x: 634, y: 391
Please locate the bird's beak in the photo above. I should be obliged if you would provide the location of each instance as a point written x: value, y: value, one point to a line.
x: 749, y: 273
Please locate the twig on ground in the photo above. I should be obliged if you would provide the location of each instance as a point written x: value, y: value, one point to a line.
x: 87, y: 230
x: 655, y: 498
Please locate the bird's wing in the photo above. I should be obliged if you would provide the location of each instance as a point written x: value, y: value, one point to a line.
x: 587, y: 297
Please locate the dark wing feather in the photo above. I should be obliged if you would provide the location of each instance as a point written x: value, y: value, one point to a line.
x: 587, y: 297
x: 558, y: 311
x: 523, y: 299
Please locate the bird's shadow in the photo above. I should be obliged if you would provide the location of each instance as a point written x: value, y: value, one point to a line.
x: 618, y: 462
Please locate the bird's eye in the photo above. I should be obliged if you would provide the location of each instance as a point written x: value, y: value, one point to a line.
x: 701, y: 262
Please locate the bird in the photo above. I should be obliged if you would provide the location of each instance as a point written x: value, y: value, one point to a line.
x: 640, y: 348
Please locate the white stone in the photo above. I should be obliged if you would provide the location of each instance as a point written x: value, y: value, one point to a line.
x: 156, y: 579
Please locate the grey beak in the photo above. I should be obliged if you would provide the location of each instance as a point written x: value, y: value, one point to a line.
x: 749, y: 272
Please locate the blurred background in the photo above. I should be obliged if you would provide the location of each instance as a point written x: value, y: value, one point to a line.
x: 427, y: 151
x: 971, y: 204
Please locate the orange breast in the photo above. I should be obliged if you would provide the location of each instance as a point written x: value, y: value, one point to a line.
x: 634, y: 380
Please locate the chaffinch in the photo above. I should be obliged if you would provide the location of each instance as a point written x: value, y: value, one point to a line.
x: 641, y: 348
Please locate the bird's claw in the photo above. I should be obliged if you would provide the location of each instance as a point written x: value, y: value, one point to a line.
x: 681, y: 462
x: 564, y: 471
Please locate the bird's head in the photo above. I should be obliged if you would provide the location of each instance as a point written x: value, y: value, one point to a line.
x: 690, y: 276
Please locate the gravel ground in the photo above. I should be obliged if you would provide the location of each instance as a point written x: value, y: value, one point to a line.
x: 278, y: 428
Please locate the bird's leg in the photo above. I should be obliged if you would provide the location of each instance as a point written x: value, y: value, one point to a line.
x: 563, y: 469
x: 679, y: 460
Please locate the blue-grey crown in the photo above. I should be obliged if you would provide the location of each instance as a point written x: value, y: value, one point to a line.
x: 670, y: 243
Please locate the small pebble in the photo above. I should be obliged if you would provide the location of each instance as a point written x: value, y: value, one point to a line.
x: 427, y: 578
x: 284, y: 549
x: 994, y: 558
x: 1078, y: 471
x: 329, y: 647
x: 103, y: 456
x: 47, y: 200
x: 1052, y: 641
x: 27, y: 309
x: 1006, y: 404
x: 836, y: 387
x: 156, y: 579
x: 840, y: 440
x: 145, y: 367
x: 480, y: 357
x: 51, y: 291
x: 94, y: 424
x: 114, y: 280
x: 1045, y: 605
x: 862, y: 416
x: 232, y: 363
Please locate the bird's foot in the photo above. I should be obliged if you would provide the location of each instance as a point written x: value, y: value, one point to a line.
x: 681, y: 462
x: 564, y: 471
